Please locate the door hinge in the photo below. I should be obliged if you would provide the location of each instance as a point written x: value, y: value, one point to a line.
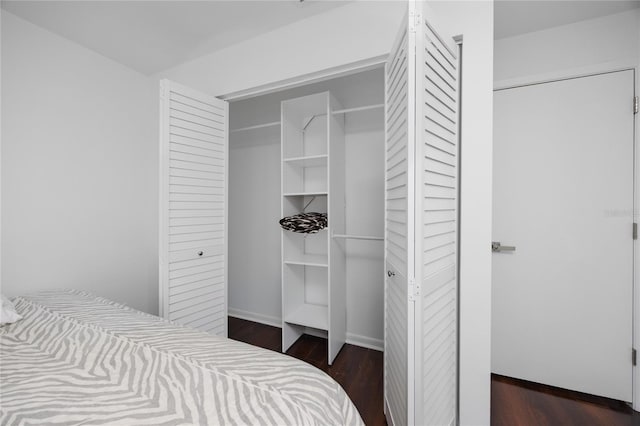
x: 414, y: 290
x: 636, y: 105
x: 634, y: 233
x: 415, y: 20
x: 633, y: 356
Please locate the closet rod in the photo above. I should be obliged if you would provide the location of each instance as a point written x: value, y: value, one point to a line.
x: 339, y: 111
x: 362, y: 108
x: 358, y: 237
x: 257, y: 126
x: 345, y: 111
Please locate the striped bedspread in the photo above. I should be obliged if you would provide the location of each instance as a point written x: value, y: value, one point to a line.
x: 76, y: 359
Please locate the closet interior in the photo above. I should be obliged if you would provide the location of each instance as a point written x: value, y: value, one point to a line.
x: 314, y: 148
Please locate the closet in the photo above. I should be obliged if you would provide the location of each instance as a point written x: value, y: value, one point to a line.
x: 377, y: 151
x: 313, y: 148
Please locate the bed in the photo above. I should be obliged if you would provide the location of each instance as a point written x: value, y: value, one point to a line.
x: 77, y: 359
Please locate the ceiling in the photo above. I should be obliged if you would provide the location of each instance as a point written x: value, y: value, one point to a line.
x: 151, y: 36
x: 518, y: 17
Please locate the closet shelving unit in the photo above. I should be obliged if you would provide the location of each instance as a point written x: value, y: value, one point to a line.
x: 313, y: 265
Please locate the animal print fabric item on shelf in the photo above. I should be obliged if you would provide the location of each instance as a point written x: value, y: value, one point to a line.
x: 305, y: 223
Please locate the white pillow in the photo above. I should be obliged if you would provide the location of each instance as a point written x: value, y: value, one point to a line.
x: 8, y: 312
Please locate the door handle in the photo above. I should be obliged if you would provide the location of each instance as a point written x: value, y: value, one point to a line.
x: 390, y: 273
x: 497, y: 247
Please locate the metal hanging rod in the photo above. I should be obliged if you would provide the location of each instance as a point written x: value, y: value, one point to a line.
x: 358, y: 237
x: 362, y: 108
x: 344, y: 111
x: 336, y: 112
x: 257, y: 126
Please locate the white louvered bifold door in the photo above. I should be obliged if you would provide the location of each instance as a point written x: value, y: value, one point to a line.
x: 193, y: 208
x: 399, y: 228
x: 421, y: 181
x: 436, y: 238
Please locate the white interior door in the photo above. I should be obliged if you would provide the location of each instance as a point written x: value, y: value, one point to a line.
x: 193, y: 208
x: 563, y: 196
x: 420, y: 357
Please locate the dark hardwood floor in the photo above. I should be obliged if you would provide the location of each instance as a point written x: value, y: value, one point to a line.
x: 358, y: 370
x: 513, y: 402
x: 521, y: 403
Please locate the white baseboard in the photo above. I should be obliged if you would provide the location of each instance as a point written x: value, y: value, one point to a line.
x: 352, y: 339
x: 365, y: 342
x: 252, y: 316
x: 315, y: 332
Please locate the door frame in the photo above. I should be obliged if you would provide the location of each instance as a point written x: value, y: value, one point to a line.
x: 590, y: 72
x: 305, y: 79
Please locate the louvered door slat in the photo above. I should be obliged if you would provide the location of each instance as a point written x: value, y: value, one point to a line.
x: 191, y: 229
x: 178, y: 140
x: 204, y: 311
x: 197, y: 112
x: 191, y: 165
x: 187, y: 96
x: 195, y: 197
x: 198, y: 119
x: 198, y: 159
x: 196, y: 269
x: 207, y: 283
x: 192, y: 221
x: 196, y: 301
x: 196, y: 213
x: 194, y: 208
x: 187, y: 132
x: 193, y: 126
x: 192, y: 254
x: 195, y: 236
x: 187, y: 181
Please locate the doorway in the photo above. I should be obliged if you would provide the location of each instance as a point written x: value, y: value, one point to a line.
x: 562, y: 296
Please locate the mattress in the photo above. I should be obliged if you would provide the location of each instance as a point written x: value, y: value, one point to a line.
x: 77, y: 359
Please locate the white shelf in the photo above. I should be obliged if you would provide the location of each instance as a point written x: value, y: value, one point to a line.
x: 304, y: 194
x: 319, y: 260
x: 310, y: 161
x: 315, y: 316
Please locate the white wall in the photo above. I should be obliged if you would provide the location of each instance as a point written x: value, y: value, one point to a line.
x: 254, y: 233
x: 474, y: 21
x: 364, y: 181
x: 347, y: 34
x: 254, y: 206
x: 568, y: 50
x: 79, y: 170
